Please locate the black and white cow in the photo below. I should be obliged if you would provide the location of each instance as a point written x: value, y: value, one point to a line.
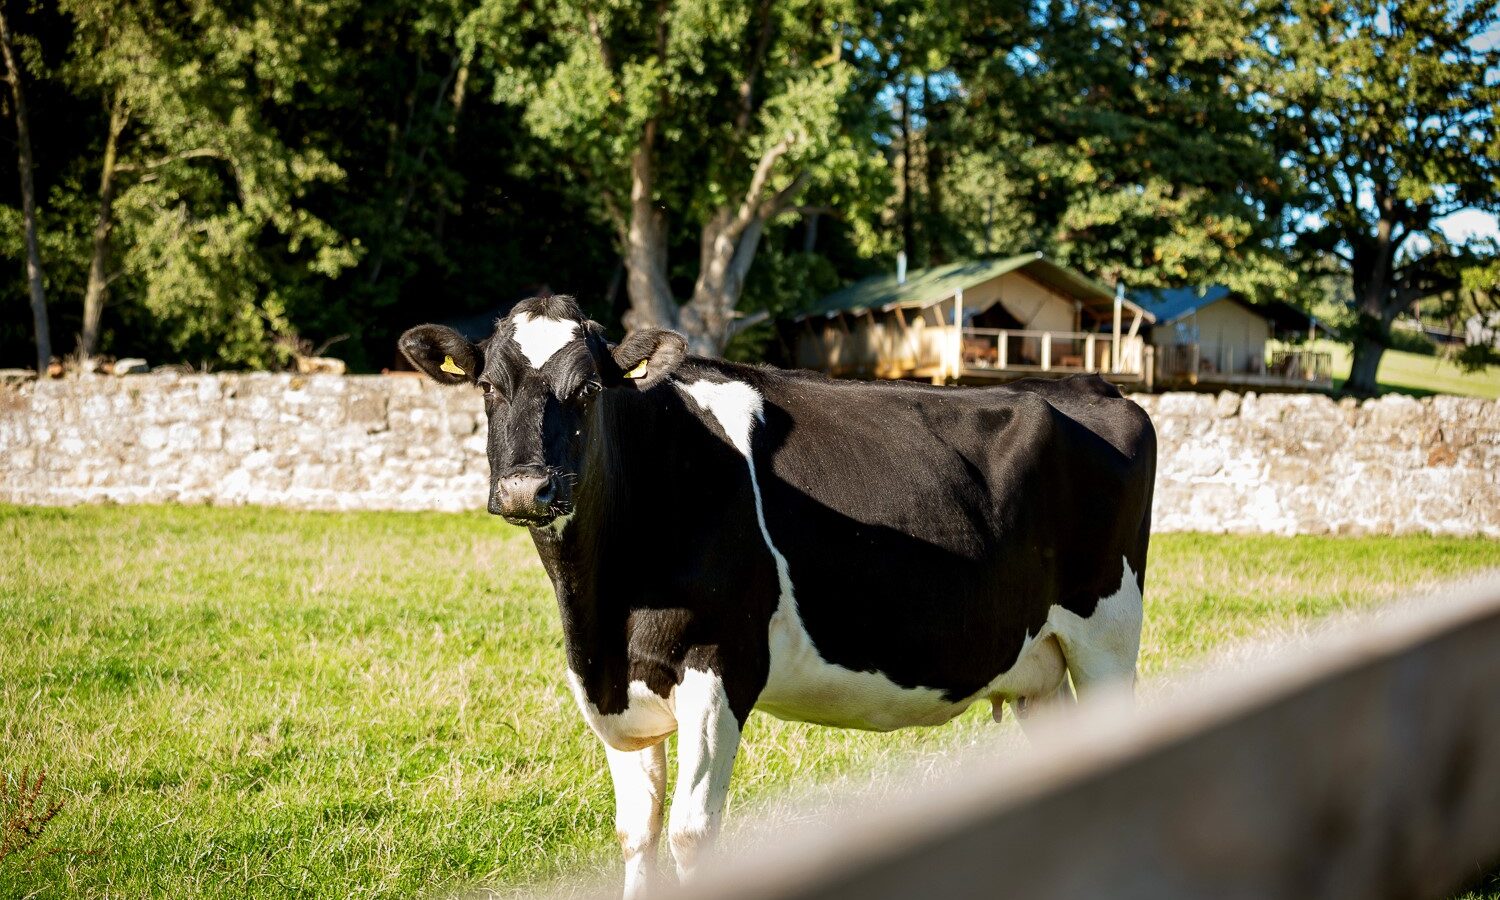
x: 725, y: 538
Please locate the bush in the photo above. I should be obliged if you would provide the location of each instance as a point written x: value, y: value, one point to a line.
x: 1412, y: 342
x: 1476, y: 358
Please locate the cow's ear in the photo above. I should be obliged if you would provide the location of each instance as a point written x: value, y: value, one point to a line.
x: 644, y: 358
x: 444, y: 354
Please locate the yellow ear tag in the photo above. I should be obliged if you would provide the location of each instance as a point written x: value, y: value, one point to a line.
x: 639, y: 371
x: 450, y: 366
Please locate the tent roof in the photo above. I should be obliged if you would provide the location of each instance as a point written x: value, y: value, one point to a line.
x: 924, y: 287
x: 1174, y: 304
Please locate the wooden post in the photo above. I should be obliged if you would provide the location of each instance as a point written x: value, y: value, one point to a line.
x: 1004, y: 339
x: 958, y: 333
x: 908, y: 343
x: 1088, y: 352
x: 1046, y: 351
x: 1114, y: 353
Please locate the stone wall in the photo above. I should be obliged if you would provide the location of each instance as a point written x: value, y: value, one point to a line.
x: 1305, y: 464
x: 1286, y: 464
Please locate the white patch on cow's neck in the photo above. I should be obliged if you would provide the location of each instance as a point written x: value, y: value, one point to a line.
x: 737, y: 407
x: 540, y: 339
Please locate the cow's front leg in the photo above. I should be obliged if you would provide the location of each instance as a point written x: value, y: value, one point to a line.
x: 708, y: 737
x: 640, y: 778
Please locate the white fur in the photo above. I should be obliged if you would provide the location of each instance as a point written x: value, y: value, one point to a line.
x: 737, y: 407
x: 708, y: 738
x: 646, y: 719
x: 1103, y: 648
x: 640, y: 780
x: 541, y: 338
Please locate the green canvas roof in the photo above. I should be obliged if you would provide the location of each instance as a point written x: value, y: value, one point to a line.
x: 924, y: 287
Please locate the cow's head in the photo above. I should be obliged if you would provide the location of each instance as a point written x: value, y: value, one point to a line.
x: 542, y: 372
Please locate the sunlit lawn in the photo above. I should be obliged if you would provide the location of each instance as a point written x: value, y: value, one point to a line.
x: 259, y: 702
x: 1413, y: 373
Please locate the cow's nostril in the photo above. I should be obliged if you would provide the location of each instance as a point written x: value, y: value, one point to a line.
x: 544, y: 493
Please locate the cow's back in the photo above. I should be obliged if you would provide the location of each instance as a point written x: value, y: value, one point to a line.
x: 928, y: 532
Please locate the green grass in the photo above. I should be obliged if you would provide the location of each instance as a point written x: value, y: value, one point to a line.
x: 1413, y: 373
x: 271, y: 703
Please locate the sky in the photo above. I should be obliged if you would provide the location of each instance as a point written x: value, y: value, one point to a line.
x: 1469, y: 223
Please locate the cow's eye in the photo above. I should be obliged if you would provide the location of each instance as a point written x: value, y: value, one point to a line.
x: 488, y: 388
x: 586, y: 390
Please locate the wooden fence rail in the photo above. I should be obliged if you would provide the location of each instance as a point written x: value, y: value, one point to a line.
x: 1365, y: 764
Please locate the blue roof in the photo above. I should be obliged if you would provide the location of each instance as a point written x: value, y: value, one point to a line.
x: 1174, y: 303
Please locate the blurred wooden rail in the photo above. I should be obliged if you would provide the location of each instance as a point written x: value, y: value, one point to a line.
x: 1366, y: 764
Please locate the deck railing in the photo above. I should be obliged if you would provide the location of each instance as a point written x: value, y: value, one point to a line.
x: 1313, y: 366
x: 1186, y: 362
x: 1026, y: 350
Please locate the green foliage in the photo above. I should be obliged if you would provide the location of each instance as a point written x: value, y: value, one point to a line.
x: 338, y: 168
x: 1384, y: 113
x: 781, y: 282
x: 214, y: 232
x: 1476, y: 358
x: 711, y: 86
x: 1118, y: 140
x: 305, y: 169
x: 1412, y: 342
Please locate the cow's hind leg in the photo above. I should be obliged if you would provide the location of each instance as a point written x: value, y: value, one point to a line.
x: 708, y: 737
x: 640, y: 779
x: 1038, y: 681
x: 1101, y: 650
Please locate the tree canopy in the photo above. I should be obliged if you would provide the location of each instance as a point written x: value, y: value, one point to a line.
x: 1384, y: 113
x: 229, y: 185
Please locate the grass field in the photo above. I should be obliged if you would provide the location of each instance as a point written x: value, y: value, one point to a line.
x: 269, y: 703
x: 1413, y: 373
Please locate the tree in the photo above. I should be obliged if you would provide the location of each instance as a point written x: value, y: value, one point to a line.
x: 1385, y: 112
x: 34, y: 276
x: 725, y: 113
x: 1116, y: 138
x: 194, y: 170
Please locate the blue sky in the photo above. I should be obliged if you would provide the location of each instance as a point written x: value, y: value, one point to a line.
x: 1469, y: 223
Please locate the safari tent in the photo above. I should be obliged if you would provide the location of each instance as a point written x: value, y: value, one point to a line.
x: 1215, y: 338
x: 974, y: 322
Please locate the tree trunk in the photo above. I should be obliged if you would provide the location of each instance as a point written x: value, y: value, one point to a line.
x: 908, y: 239
x: 651, y: 301
x: 1376, y: 310
x: 932, y: 168
x: 1368, y: 349
x: 98, y: 281
x: 28, y: 205
x: 810, y: 232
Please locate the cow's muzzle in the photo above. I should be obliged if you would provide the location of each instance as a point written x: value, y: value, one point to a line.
x: 524, y: 497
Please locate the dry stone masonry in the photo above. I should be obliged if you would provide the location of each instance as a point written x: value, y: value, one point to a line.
x: 1283, y: 464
